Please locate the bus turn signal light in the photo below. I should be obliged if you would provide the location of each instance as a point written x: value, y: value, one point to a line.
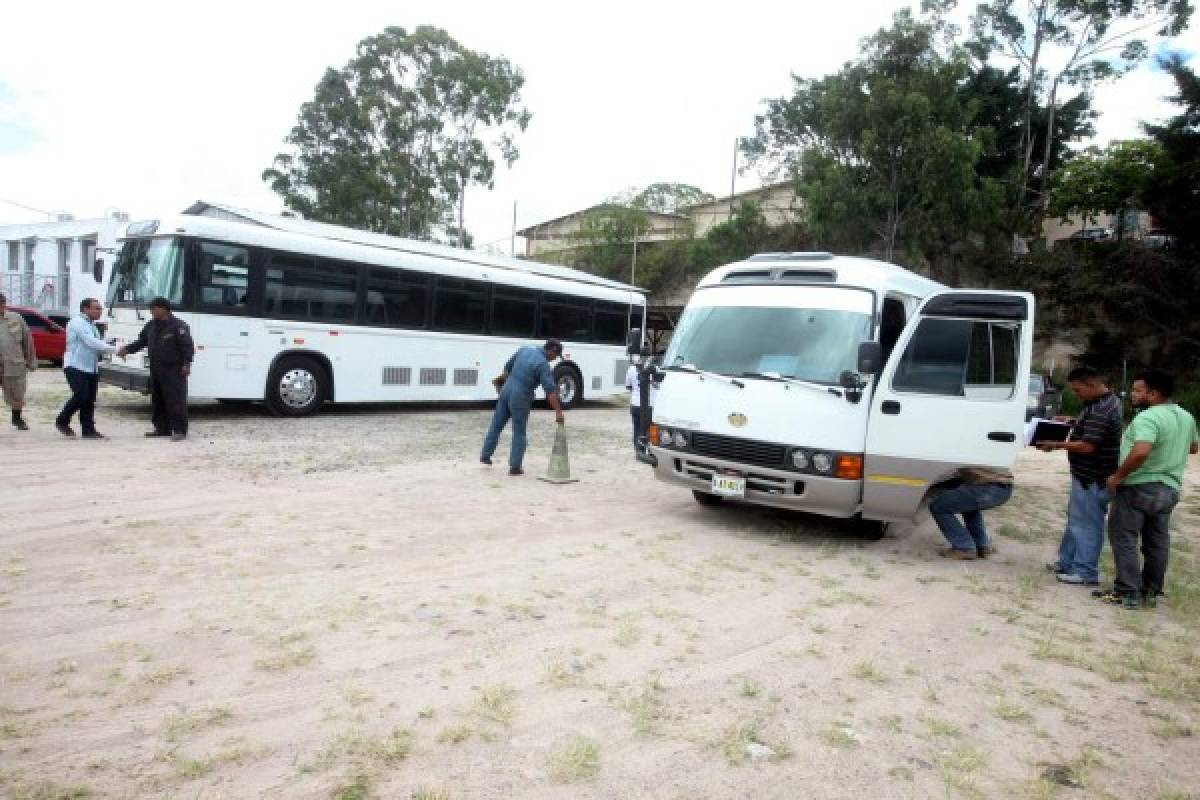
x: 849, y: 468
x: 653, y: 434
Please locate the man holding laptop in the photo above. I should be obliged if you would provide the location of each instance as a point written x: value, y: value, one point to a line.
x: 1093, y: 449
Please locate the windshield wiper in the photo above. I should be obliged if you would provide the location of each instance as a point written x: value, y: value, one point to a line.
x: 689, y: 368
x: 775, y: 376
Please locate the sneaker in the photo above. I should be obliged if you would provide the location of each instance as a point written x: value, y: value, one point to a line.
x: 20, y: 424
x: 65, y: 430
x: 516, y: 471
x: 93, y: 435
x: 985, y: 552
x: 178, y: 437
x: 1125, y: 600
x: 156, y: 434
x: 485, y: 460
x: 1054, y: 567
x: 1075, y: 580
x: 958, y: 555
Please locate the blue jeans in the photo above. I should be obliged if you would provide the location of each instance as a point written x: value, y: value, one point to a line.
x: 1083, y: 538
x: 1142, y: 512
x: 969, y: 500
x: 514, y: 406
x: 84, y: 386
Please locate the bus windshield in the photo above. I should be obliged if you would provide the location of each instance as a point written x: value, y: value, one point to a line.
x: 810, y: 344
x: 146, y: 269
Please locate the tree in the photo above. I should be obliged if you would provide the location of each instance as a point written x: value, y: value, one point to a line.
x: 1068, y: 42
x: 390, y: 141
x: 1112, y: 181
x: 668, y: 198
x: 1174, y: 196
x: 885, y: 151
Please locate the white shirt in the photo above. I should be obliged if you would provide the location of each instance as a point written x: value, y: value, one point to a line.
x: 635, y: 390
x: 84, y: 344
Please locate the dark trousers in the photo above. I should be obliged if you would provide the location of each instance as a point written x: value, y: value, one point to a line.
x: 635, y: 412
x: 1142, y: 511
x: 84, y: 386
x: 168, y: 398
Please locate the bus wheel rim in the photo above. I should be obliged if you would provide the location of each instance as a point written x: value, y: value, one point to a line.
x: 566, y: 388
x: 297, y: 388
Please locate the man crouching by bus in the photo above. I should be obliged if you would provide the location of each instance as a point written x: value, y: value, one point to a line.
x: 975, y: 490
x: 170, y: 346
x: 528, y: 367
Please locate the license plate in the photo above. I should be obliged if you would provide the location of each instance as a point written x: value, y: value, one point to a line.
x: 729, y: 485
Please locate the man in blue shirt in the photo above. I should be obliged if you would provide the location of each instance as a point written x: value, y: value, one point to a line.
x: 84, y: 347
x: 528, y: 368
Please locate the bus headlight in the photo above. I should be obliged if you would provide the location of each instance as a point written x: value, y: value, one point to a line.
x: 799, y: 459
x: 822, y: 462
x: 681, y: 439
x: 665, y: 437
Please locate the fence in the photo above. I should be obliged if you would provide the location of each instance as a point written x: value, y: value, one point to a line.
x: 38, y: 291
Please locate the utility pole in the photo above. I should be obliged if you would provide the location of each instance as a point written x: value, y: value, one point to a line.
x: 512, y: 242
x: 733, y: 175
x: 633, y: 266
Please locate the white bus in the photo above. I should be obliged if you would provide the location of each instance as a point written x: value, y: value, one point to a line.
x: 321, y: 313
x: 839, y: 386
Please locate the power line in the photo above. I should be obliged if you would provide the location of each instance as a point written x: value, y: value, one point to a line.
x: 27, y: 208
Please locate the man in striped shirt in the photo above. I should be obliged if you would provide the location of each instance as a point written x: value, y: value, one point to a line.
x: 1093, y: 450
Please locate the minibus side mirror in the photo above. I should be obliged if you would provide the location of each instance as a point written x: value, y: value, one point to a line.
x: 633, y: 343
x: 870, y: 358
x: 98, y: 270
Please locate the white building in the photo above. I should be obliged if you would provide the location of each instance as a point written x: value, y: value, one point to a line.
x: 51, y: 265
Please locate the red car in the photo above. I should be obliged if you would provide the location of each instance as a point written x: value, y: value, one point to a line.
x: 49, y: 338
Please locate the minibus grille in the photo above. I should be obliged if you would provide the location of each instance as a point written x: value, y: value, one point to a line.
x: 744, y: 451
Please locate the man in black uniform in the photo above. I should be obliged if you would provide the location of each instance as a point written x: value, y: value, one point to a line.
x: 169, y: 343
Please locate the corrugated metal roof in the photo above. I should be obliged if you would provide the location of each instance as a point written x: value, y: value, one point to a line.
x: 344, y: 234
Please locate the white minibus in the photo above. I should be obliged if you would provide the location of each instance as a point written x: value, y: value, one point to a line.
x: 838, y: 386
x: 296, y: 314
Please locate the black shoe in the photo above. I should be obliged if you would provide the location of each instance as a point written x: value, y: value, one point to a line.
x: 20, y: 425
x: 485, y: 460
x: 515, y: 471
x: 178, y: 437
x: 93, y: 435
x: 155, y: 434
x: 65, y: 430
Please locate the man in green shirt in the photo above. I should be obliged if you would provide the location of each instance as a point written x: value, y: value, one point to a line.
x: 1145, y: 488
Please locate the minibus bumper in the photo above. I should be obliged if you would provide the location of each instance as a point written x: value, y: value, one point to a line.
x: 831, y: 497
x: 137, y: 380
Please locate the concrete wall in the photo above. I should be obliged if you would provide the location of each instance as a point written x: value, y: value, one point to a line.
x: 778, y: 204
x: 561, y: 234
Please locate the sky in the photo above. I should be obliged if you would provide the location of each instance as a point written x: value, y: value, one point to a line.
x: 125, y: 106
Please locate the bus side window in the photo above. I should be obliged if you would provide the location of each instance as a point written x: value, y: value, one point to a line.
x: 891, y: 325
x: 224, y: 273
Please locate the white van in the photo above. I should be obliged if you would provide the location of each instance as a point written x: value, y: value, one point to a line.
x: 838, y: 386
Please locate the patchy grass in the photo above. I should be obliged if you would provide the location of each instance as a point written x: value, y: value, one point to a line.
x: 749, y: 688
x: 51, y: 791
x: 575, y: 761
x: 429, y: 793
x: 178, y: 726
x: 495, y: 704
x: 455, y: 734
x: 868, y: 672
x: 234, y: 751
x: 941, y: 727
x: 840, y: 734
x: 960, y: 768
x: 737, y: 741
x: 646, y: 708
x: 1012, y: 712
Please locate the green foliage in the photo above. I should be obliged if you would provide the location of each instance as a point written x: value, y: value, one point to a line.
x: 668, y: 198
x: 1172, y: 196
x: 1111, y: 181
x: 886, y: 150
x: 390, y: 141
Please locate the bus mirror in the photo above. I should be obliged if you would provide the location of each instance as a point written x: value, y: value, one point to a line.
x: 870, y: 358
x: 98, y: 270
x: 633, y: 344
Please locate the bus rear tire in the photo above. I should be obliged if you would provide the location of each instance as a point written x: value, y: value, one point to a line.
x: 570, y: 385
x: 297, y: 387
x: 706, y: 499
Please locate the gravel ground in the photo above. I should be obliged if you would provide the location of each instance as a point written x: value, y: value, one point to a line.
x: 351, y: 606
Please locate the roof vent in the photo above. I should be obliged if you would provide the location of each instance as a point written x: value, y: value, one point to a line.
x: 814, y: 256
x: 747, y: 276
x: 809, y: 275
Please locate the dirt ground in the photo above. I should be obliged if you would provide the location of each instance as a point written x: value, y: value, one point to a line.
x: 351, y: 606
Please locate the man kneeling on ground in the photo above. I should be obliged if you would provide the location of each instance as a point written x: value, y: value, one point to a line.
x: 975, y: 490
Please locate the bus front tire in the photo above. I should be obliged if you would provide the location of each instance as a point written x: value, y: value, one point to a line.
x: 296, y: 388
x: 570, y: 385
x: 706, y: 499
x: 871, y: 529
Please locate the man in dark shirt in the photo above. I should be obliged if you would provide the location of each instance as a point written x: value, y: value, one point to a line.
x: 1093, y: 449
x: 170, y: 346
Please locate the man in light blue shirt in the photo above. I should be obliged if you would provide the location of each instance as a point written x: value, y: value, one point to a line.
x: 528, y: 368
x: 84, y: 347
